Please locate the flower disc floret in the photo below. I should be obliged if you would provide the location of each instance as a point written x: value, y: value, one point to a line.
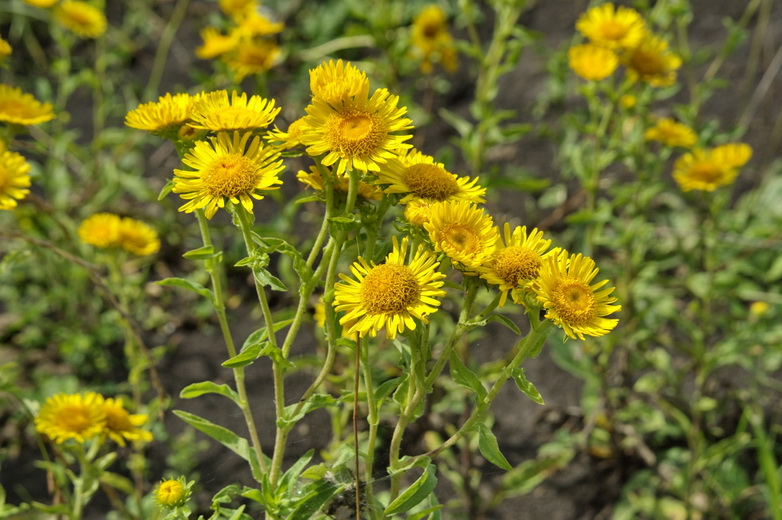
x: 463, y: 232
x: 217, y: 112
x: 81, y: 18
x: 14, y: 179
x: 609, y: 26
x: 63, y: 417
x: 20, y: 108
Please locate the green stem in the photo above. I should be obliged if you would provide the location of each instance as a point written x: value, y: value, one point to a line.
x: 161, y: 55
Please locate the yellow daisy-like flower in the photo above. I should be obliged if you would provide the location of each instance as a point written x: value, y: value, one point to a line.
x: 41, y: 3
x: 252, y: 57
x: 71, y: 416
x: 337, y: 83
x: 226, y: 168
x: 670, y: 133
x: 418, y: 176
x: 137, y: 238
x: 417, y: 211
x: 81, y: 18
x: 256, y: 25
x: 122, y: 426
x: 171, y: 493
x: 357, y: 136
x: 707, y: 170
x: 20, y: 108
x: 163, y: 116
x: 239, y: 8
x: 290, y: 138
x: 14, y: 179
x: 219, y: 113
x: 215, y: 43
x: 628, y: 101
x: 462, y: 231
x: 432, y: 40
x: 616, y: 28
x: 101, y: 230
x: 652, y: 62
x: 314, y: 180
x: 5, y: 49
x: 391, y: 295
x: 516, y: 261
x: 592, y: 62
x: 563, y: 287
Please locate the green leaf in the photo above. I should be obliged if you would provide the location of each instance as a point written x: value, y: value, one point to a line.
x: 208, y: 387
x: 187, y: 284
x: 465, y: 377
x: 385, y: 389
x: 202, y: 253
x: 507, y: 322
x: 314, y: 496
x: 166, y: 189
x: 420, y: 515
x: 246, y: 356
x: 265, y: 278
x: 415, y: 494
x: 312, y: 403
x: 487, y: 444
x: 461, y: 125
x: 525, y: 385
x: 290, y: 477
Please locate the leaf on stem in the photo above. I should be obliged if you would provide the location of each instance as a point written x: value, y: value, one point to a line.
x: 465, y: 377
x: 208, y: 387
x: 487, y: 444
x: 415, y: 494
x: 525, y: 385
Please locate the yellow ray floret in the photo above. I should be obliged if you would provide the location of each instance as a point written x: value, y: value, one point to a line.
x: 166, y: 114
x: 563, y: 287
x: 226, y: 168
x: 462, y: 231
x: 392, y: 295
x: 122, y: 426
x: 251, y: 56
x: 217, y: 112
x: 337, y: 83
x: 671, y: 133
x: 652, y: 62
x: 14, y: 179
x: 215, y: 43
x: 81, y: 18
x: 592, y: 62
x: 707, y: 170
x: 20, y: 108
x: 616, y: 28
x: 71, y: 416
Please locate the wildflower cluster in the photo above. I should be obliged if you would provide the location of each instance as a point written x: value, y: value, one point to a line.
x: 107, y: 231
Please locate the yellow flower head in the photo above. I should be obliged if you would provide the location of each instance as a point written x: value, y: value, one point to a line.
x: 22, y: 109
x: 338, y: 83
x: 137, y: 238
x: 616, y: 28
x: 320, y: 320
x: 71, y: 416
x: 707, y: 170
x: 122, y: 426
x: 359, y: 136
x: 215, y: 43
x: 563, y: 287
x: 759, y: 308
x: 670, y: 133
x: 41, y: 3
x: 256, y: 25
x: 463, y: 232
x: 391, y: 295
x: 239, y: 8
x: 5, y: 49
x: 227, y: 169
x: 251, y: 57
x: 417, y: 211
x: 101, y: 230
x: 628, y: 101
x: 432, y: 41
x: 418, y: 176
x: 516, y: 261
x: 164, y: 116
x: 652, y: 62
x: 219, y: 113
x: 289, y: 139
x: 592, y: 62
x: 314, y: 180
x: 14, y: 179
x: 172, y: 493
x: 81, y: 18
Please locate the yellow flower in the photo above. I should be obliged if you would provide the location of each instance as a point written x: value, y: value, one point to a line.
x: 163, y: 116
x: 563, y: 287
x: 707, y: 170
x: 71, y: 416
x: 22, y: 109
x: 314, y: 180
x: 356, y: 136
x: 516, y: 262
x: 616, y: 28
x: 216, y: 112
x: 226, y: 168
x: 432, y: 40
x: 463, y: 232
x: 80, y: 18
x: 670, y: 133
x: 14, y: 179
x: 5, y: 49
x: 137, y: 238
x: 41, y: 3
x: 238, y: 8
x: 338, y: 83
x: 592, y: 62
x: 122, y: 426
x: 255, y: 25
x: 251, y: 57
x: 289, y: 139
x: 652, y: 62
x: 391, y: 295
x: 759, y: 308
x: 417, y: 211
x: 215, y: 43
x: 171, y: 493
x: 101, y: 230
x: 628, y: 101
x: 418, y: 176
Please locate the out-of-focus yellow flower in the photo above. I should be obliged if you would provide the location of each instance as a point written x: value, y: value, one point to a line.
x: 163, y: 116
x: 616, y: 28
x: 671, y: 133
x: 628, y: 101
x: 239, y: 8
x: 592, y: 62
x: 5, y: 49
x: 219, y: 112
x: 100, y: 230
x: 81, y: 18
x: 122, y: 426
x: 432, y: 40
x: 137, y: 237
x: 215, y: 43
x: 14, y: 179
x: 71, y: 416
x: 251, y: 57
x: 708, y: 169
x: 20, y: 108
x: 107, y: 230
x: 41, y: 3
x: 462, y: 231
x: 171, y: 493
x: 759, y: 308
x: 256, y: 25
x: 314, y: 180
x: 652, y: 62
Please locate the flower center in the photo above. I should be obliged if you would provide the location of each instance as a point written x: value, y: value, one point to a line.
x: 574, y: 302
x: 74, y: 419
x: 431, y: 29
x: 430, y: 181
x: 230, y: 175
x: 647, y: 63
x: 705, y: 171
x: 389, y: 289
x: 613, y: 30
x: 79, y: 17
x: 461, y: 238
x: 117, y: 419
x: 515, y: 263
x: 355, y: 132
